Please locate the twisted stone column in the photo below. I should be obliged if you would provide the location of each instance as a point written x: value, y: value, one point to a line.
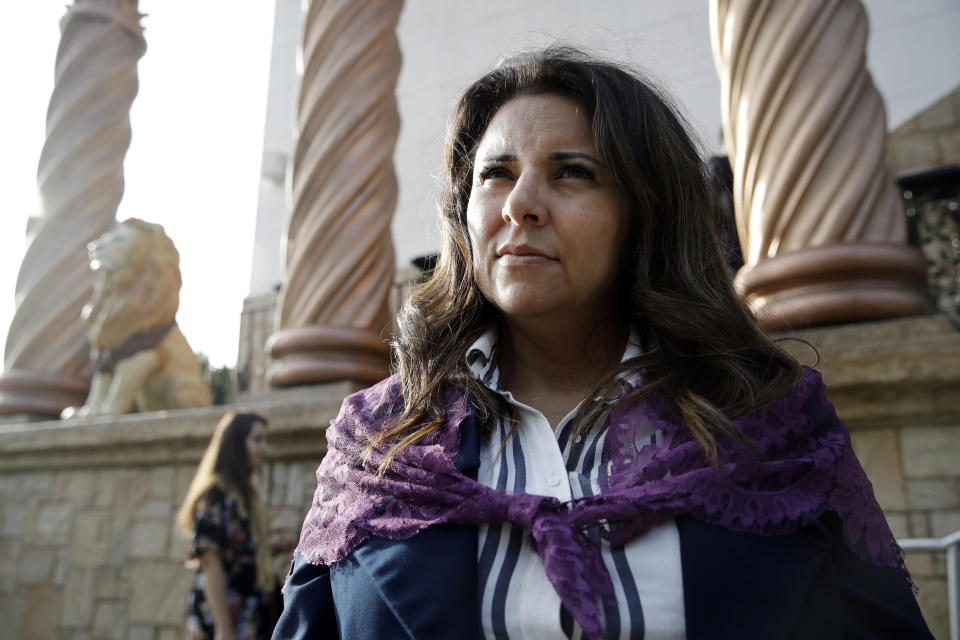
x: 339, y: 253
x: 80, y: 178
x: 821, y: 225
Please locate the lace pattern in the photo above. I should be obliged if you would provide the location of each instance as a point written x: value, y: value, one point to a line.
x: 805, y: 467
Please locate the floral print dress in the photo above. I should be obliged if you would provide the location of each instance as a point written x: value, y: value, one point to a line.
x: 221, y: 524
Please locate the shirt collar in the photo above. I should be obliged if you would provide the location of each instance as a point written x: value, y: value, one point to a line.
x: 482, y: 359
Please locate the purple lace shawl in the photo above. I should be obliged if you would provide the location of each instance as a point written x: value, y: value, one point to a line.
x: 807, y: 468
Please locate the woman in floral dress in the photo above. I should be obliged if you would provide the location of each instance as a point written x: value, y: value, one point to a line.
x: 226, y: 524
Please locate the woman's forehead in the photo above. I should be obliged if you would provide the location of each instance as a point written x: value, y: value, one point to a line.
x: 546, y: 121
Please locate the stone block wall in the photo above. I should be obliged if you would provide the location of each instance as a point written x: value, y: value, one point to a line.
x: 928, y: 140
x: 87, y: 544
x: 88, y: 550
x: 895, y: 384
x: 256, y: 325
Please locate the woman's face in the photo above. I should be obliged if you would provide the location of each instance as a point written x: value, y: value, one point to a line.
x: 545, y: 218
x: 257, y: 445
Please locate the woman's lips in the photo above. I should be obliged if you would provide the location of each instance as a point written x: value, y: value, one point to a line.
x: 523, y: 259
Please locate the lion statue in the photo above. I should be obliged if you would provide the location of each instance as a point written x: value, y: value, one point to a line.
x: 138, y: 352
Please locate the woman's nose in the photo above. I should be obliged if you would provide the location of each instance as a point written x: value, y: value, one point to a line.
x: 525, y: 204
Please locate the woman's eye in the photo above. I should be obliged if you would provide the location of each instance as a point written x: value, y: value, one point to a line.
x: 577, y: 171
x: 492, y: 173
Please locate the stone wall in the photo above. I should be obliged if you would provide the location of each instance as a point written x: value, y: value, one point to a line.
x: 87, y: 548
x: 895, y: 384
x: 256, y: 325
x: 928, y: 140
x: 87, y: 545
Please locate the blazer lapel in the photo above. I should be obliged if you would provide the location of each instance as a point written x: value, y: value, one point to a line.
x: 429, y: 581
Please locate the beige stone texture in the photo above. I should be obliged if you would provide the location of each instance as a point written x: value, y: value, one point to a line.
x: 79, y: 596
x: 879, y: 453
x: 42, y: 613
x: 76, y: 487
x: 9, y: 549
x: 36, y: 565
x: 13, y: 515
x: 933, y: 604
x: 52, y: 524
x: 155, y: 508
x: 918, y: 151
x: 931, y: 451
x: 148, y: 538
x: 164, y: 600
x: 109, y: 622
x: 162, y: 483
x: 934, y: 493
x: 920, y: 563
x: 919, y: 526
x: 894, y: 373
x: 140, y: 632
x: 38, y: 484
x: 930, y: 139
x: 297, y: 481
x: 898, y: 524
x: 12, y: 607
x: 112, y: 583
x: 939, y: 116
x: 256, y: 325
x: 943, y: 523
x: 61, y: 566
x: 105, y: 546
x: 950, y: 147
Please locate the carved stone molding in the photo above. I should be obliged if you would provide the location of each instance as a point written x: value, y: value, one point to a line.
x: 339, y: 253
x: 80, y: 179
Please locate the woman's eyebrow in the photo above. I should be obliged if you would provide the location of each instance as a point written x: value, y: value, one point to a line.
x: 572, y: 155
x: 556, y: 156
x: 501, y: 157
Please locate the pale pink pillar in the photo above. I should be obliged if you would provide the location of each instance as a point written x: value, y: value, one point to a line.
x: 80, y: 179
x: 339, y: 254
x: 821, y: 225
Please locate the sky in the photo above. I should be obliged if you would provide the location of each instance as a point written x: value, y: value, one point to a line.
x: 194, y: 160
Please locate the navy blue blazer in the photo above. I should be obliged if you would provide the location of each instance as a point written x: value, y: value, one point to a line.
x: 736, y: 585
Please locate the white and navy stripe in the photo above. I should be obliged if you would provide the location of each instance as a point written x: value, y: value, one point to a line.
x: 517, y: 599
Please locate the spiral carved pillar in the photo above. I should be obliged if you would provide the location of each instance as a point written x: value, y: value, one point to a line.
x: 80, y: 179
x: 821, y: 225
x: 339, y: 253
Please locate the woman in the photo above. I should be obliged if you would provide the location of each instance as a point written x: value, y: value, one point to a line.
x: 225, y: 521
x: 588, y: 434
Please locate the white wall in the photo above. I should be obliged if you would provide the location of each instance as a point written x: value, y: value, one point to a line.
x: 267, y: 265
x: 447, y: 45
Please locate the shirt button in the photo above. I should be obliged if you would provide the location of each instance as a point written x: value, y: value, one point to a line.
x: 554, y: 480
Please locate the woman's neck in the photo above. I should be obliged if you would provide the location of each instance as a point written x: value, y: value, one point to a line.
x: 552, y: 366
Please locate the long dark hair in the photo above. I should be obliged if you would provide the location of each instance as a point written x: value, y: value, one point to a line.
x: 225, y: 460
x: 703, y: 346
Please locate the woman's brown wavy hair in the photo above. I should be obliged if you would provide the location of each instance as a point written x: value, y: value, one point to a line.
x: 702, y: 345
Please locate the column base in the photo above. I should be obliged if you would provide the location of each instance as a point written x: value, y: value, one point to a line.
x: 40, y: 393
x: 834, y: 284
x: 315, y: 354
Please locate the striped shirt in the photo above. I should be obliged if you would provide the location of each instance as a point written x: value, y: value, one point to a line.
x: 518, y: 600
